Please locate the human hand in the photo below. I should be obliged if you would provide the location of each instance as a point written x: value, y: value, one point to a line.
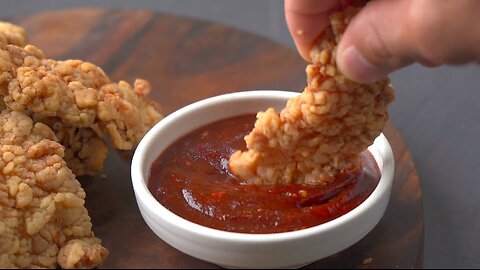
x: 388, y: 35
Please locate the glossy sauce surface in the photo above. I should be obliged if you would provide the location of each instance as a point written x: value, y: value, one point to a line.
x: 191, y: 179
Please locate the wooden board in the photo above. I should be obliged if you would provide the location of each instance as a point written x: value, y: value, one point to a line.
x: 187, y: 60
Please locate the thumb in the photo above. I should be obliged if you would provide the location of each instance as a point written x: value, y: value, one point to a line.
x: 376, y: 42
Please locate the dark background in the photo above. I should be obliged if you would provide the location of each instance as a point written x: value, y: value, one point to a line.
x: 436, y: 111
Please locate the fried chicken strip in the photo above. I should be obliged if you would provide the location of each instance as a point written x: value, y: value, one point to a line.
x: 43, y: 220
x: 322, y: 131
x: 54, y: 114
x: 78, y: 101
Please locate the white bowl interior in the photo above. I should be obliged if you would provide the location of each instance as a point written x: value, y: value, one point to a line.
x: 249, y: 250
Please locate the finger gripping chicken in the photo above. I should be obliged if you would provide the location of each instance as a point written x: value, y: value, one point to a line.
x: 42, y: 212
x: 322, y: 131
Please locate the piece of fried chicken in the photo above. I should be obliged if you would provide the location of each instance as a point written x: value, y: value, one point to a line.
x: 322, y: 131
x: 78, y: 101
x: 54, y: 114
x: 43, y: 220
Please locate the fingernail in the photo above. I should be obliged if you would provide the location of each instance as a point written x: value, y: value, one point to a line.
x: 356, y: 67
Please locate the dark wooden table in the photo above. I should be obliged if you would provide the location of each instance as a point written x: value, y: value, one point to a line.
x: 187, y: 60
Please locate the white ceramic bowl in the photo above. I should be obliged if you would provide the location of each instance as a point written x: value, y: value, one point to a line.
x: 240, y: 250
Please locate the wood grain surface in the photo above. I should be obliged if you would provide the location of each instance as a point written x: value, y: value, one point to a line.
x: 187, y: 60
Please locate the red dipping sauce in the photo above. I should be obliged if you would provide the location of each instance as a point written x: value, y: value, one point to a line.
x: 191, y: 179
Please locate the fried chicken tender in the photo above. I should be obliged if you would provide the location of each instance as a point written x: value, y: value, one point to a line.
x: 43, y: 220
x: 322, y: 131
x: 54, y: 118
x: 79, y: 102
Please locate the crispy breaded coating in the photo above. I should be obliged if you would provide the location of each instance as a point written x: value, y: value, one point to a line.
x: 12, y: 34
x: 322, y: 131
x: 79, y: 102
x: 125, y: 112
x: 54, y: 114
x: 43, y: 219
x: 84, y: 253
x: 85, y: 151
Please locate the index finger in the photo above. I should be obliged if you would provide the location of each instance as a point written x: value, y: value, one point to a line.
x: 306, y: 20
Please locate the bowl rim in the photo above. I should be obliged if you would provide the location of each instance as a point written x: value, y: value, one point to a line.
x: 143, y: 194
